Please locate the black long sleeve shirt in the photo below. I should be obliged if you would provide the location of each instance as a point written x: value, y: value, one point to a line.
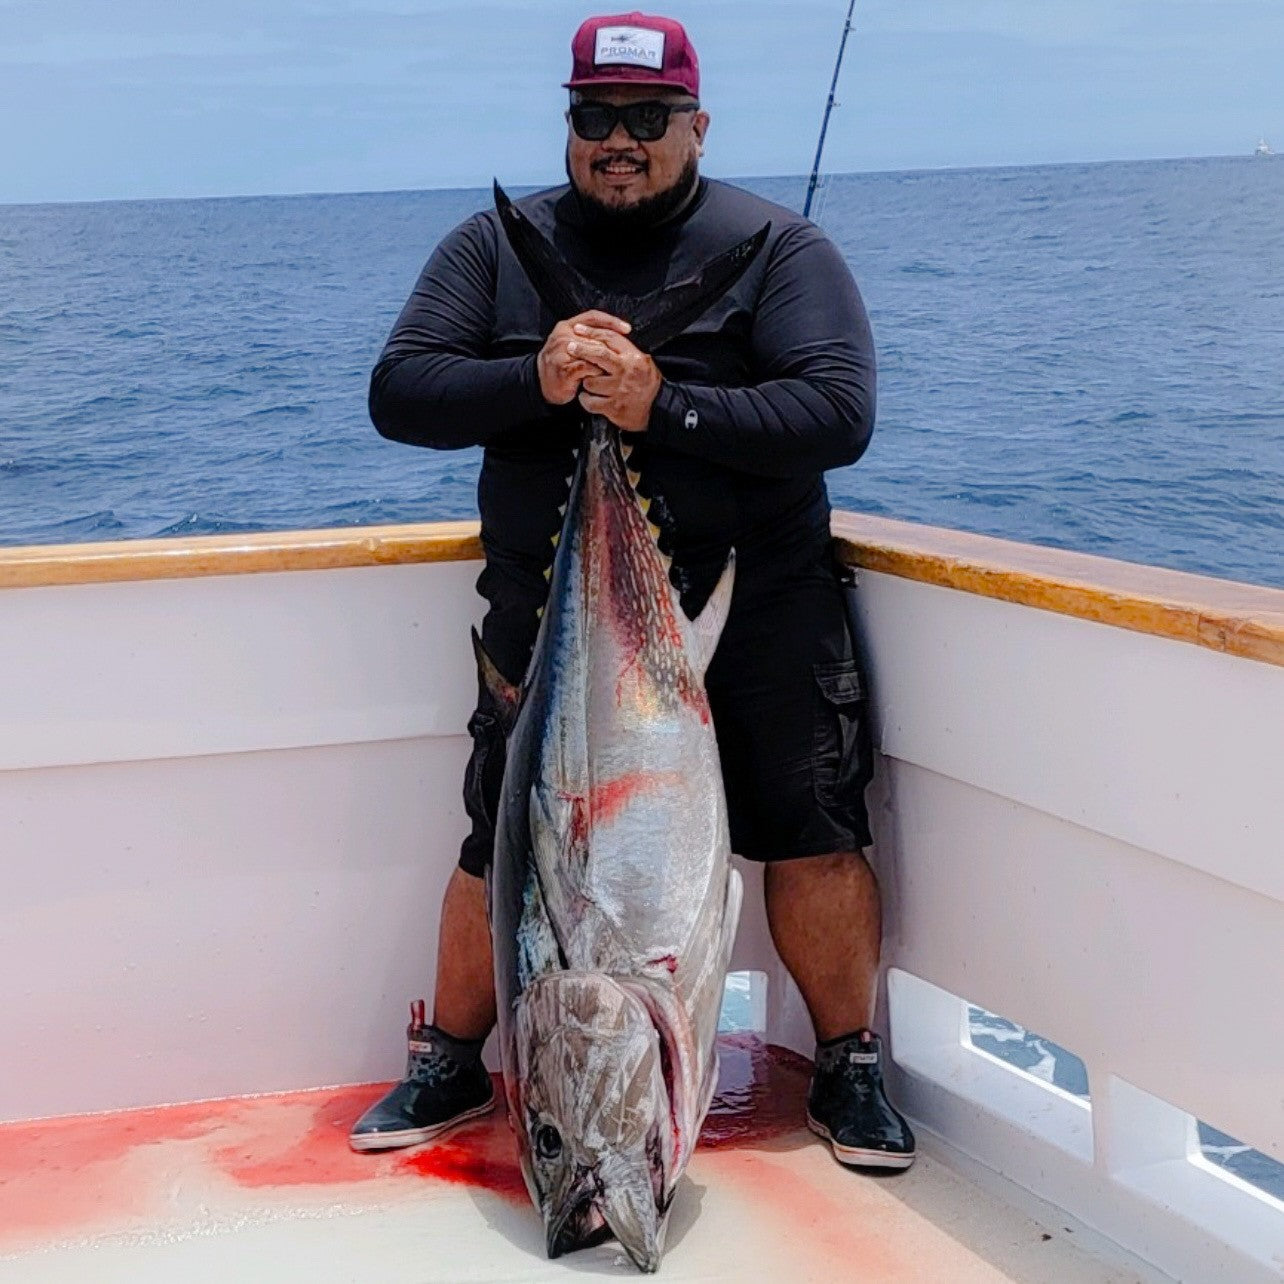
x: 779, y: 373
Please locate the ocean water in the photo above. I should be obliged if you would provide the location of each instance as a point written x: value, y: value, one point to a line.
x: 1087, y: 356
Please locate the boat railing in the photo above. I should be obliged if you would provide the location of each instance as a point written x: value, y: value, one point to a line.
x: 229, y: 800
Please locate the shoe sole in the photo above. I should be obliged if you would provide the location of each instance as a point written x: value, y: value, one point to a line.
x: 415, y: 1136
x: 855, y: 1156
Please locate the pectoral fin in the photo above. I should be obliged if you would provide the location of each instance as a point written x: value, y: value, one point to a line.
x: 731, y: 914
x: 507, y: 697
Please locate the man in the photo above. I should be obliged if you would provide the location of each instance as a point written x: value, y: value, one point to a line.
x: 733, y: 424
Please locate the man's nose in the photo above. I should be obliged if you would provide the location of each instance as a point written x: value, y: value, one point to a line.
x: 619, y: 139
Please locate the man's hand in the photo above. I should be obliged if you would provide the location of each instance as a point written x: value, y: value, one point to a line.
x: 561, y: 370
x: 626, y: 382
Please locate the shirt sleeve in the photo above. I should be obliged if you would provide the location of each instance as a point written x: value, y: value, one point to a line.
x: 813, y: 406
x: 434, y: 384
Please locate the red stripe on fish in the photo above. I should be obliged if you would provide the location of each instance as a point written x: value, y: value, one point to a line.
x: 607, y: 800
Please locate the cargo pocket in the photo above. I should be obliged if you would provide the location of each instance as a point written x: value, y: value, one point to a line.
x: 843, y: 751
x: 484, y: 775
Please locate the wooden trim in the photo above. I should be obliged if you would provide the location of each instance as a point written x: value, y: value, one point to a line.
x: 1222, y: 615
x: 182, y: 558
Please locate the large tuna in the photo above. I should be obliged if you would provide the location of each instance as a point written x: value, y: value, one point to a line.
x: 612, y: 899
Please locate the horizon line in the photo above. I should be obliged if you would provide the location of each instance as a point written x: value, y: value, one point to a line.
x: 739, y: 178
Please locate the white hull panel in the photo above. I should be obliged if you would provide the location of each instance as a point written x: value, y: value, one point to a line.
x: 1081, y: 828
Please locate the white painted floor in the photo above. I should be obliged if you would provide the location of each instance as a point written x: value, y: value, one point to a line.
x: 266, y: 1190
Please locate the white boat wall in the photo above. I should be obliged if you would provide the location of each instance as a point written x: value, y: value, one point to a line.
x: 229, y: 803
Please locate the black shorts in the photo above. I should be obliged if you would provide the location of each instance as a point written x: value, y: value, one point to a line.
x: 789, y: 707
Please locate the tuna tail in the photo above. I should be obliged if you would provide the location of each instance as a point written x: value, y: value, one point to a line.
x: 656, y: 318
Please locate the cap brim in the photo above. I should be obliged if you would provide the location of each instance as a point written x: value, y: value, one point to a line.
x: 625, y: 80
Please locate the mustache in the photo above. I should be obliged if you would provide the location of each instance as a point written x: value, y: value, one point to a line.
x: 603, y: 161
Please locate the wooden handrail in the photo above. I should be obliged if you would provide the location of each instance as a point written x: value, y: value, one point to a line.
x: 191, y: 556
x: 1221, y: 615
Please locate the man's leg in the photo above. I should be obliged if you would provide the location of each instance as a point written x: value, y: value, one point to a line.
x: 465, y: 1000
x: 445, y: 1083
x: 791, y: 709
x: 824, y: 918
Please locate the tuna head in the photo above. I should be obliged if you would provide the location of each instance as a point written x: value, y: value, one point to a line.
x: 594, y: 1123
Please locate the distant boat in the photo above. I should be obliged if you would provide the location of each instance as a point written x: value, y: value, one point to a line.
x: 1263, y: 148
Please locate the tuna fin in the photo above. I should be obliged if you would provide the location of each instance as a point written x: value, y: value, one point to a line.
x: 731, y: 914
x: 707, y: 627
x: 507, y: 697
x: 658, y: 317
x: 664, y: 315
x: 726, y: 943
x: 561, y: 287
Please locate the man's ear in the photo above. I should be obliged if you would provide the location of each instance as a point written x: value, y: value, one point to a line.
x: 700, y: 127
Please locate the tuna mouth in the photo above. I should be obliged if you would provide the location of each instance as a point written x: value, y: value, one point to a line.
x: 594, y: 1214
x: 580, y: 1226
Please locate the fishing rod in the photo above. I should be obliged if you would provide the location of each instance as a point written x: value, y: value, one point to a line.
x: 829, y: 106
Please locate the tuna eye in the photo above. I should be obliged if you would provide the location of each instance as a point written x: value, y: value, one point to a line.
x: 548, y: 1142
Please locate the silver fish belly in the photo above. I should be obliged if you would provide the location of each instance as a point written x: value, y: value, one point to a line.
x: 613, y: 902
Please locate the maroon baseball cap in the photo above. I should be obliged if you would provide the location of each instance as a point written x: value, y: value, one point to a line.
x: 632, y: 49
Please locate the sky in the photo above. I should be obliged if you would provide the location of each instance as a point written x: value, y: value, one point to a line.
x: 108, y: 99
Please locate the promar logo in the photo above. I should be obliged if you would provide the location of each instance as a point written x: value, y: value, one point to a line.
x: 629, y: 47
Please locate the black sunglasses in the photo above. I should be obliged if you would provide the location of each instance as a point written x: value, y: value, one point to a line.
x: 645, y: 121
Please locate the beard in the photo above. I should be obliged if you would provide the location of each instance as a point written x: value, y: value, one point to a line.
x: 642, y: 216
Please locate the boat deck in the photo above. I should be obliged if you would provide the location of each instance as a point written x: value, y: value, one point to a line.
x: 266, y: 1189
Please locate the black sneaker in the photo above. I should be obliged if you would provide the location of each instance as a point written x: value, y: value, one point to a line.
x: 848, y: 1107
x: 445, y: 1085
